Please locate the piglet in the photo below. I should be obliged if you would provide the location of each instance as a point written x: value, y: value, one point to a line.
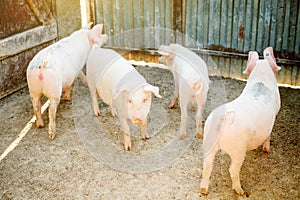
x: 191, y: 82
x: 54, y: 69
x: 120, y: 86
x: 246, y: 122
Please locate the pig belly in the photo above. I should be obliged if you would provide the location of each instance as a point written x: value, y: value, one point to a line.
x: 261, y: 132
x: 108, y: 81
x: 249, y: 128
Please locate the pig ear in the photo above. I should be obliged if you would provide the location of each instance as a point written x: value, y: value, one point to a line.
x: 252, y: 59
x: 154, y: 90
x: 268, y: 55
x: 88, y: 26
x: 163, y: 53
x: 163, y: 50
x: 95, y: 34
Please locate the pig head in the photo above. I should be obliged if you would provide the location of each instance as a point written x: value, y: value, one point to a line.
x: 54, y: 69
x: 246, y: 122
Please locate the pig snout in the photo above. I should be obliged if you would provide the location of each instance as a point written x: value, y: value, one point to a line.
x: 137, y: 120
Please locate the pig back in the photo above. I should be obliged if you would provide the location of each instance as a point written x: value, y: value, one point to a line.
x: 192, y: 59
x: 111, y: 74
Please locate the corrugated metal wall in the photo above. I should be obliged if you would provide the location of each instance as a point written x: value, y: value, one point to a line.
x: 128, y: 20
x: 228, y: 28
x: 241, y: 25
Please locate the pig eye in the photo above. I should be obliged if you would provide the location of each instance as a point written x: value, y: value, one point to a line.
x: 145, y: 100
x: 130, y: 101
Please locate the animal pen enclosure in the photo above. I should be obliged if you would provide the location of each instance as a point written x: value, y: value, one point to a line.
x: 224, y: 30
x: 221, y: 32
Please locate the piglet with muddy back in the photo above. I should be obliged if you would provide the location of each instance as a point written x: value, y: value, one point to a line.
x: 54, y: 69
x: 191, y: 82
x: 246, y: 122
x: 120, y: 86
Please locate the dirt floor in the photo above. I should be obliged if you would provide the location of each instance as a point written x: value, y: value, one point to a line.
x: 86, y: 159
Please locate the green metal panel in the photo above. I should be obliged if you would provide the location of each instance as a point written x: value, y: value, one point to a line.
x: 231, y: 27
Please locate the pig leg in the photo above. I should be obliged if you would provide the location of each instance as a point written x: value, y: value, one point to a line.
x: 36, y: 102
x: 94, y: 96
x: 198, y: 118
x: 52, y: 117
x: 82, y: 77
x: 111, y: 111
x: 208, y: 165
x: 67, y: 94
x: 185, y: 97
x: 200, y: 99
x: 237, y: 160
x: 144, y: 134
x: 126, y: 130
x: 266, y: 145
x: 175, y: 99
x: 184, y: 116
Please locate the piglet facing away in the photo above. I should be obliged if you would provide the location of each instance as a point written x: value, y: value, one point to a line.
x: 120, y: 86
x: 246, y: 122
x: 54, y: 69
x: 191, y: 82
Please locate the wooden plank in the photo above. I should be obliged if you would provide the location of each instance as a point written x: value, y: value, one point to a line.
x: 178, y: 19
x: 138, y: 23
x: 286, y: 27
x: 128, y: 21
x: 149, y: 22
x: 241, y: 25
x: 273, y: 24
x: 260, y: 30
x: 248, y: 26
x: 255, y: 14
x: 18, y: 43
x: 280, y: 25
x: 298, y: 76
x: 292, y: 25
x: 236, y: 68
x: 267, y: 22
x: 214, y: 23
x: 230, y: 23
x: 169, y: 22
x: 203, y: 26
x: 99, y: 12
x: 235, y: 25
x: 297, y: 43
x: 191, y: 23
x: 223, y: 23
x: 107, y: 21
x: 224, y: 66
x: 159, y: 23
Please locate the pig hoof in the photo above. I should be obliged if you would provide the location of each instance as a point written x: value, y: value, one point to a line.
x: 239, y: 191
x: 199, y: 135
x: 266, y: 149
x: 39, y: 124
x: 67, y: 98
x: 146, y: 138
x: 182, y: 136
x: 97, y: 113
x: 51, y: 136
x: 204, y: 191
x: 172, y: 105
x: 127, y: 147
